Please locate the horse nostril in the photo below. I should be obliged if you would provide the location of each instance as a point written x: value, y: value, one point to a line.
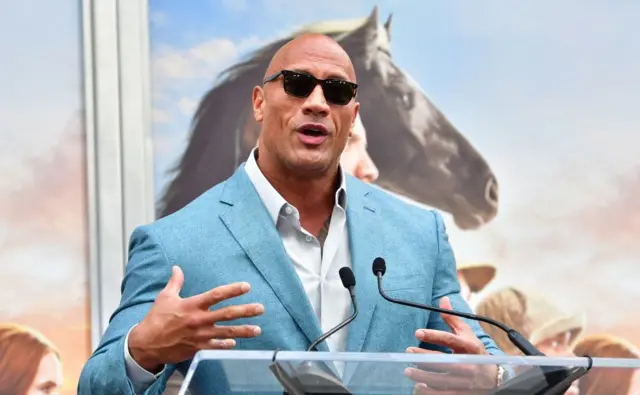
x: 491, y: 191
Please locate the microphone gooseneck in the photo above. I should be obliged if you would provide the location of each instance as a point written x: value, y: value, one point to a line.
x: 556, y: 381
x: 349, y: 282
x: 379, y: 269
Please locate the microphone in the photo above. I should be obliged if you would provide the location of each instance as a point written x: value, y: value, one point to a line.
x: 518, y: 340
x: 317, y: 378
x: 349, y: 282
x: 557, y: 379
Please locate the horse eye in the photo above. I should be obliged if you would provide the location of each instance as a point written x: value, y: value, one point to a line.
x: 407, y: 100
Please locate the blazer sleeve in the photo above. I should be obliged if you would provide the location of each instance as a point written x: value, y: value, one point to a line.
x: 147, y: 272
x: 446, y: 283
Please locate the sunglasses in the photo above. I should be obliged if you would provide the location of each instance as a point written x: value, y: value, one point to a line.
x: 336, y: 91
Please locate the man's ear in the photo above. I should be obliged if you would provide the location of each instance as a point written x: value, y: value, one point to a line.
x: 258, y: 103
x: 356, y: 109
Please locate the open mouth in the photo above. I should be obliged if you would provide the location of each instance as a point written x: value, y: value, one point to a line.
x: 313, y: 132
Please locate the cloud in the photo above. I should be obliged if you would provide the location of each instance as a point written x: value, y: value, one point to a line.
x: 187, y: 106
x: 201, y: 61
x: 160, y: 116
x: 171, y: 63
x: 44, y: 256
x: 615, y: 223
x: 158, y: 19
x: 543, y: 20
x: 292, y: 10
x: 235, y: 5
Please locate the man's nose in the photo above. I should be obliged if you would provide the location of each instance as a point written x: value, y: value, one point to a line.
x: 316, y: 104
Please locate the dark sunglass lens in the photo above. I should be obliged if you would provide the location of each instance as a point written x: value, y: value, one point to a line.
x: 338, y: 92
x: 299, y: 85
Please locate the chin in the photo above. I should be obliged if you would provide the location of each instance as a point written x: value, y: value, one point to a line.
x: 312, y: 156
x: 310, y: 164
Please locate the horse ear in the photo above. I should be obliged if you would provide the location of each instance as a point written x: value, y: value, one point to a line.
x: 362, y: 43
x: 387, y: 26
x: 369, y: 31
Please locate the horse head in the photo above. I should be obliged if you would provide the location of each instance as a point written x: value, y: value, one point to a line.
x: 418, y: 152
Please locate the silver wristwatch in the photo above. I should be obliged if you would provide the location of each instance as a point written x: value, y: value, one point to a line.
x: 501, y: 375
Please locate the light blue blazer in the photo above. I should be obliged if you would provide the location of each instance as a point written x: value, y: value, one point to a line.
x: 226, y: 236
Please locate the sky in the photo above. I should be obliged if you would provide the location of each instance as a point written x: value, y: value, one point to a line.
x: 546, y: 91
x: 43, y: 239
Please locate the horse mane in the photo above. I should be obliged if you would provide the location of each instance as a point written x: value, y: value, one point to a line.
x: 218, y: 118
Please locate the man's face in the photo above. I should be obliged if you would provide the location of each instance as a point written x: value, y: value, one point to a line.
x: 355, y: 159
x: 285, y: 118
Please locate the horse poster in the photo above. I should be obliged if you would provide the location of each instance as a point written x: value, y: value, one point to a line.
x: 517, y: 121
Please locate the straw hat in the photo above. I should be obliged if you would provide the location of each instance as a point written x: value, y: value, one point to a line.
x: 477, y: 274
x: 547, y: 320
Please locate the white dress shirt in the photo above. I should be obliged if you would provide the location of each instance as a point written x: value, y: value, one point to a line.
x: 316, y: 266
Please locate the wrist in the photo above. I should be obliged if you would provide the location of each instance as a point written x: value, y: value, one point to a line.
x: 141, y: 353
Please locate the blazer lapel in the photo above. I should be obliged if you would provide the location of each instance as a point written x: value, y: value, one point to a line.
x: 366, y: 243
x: 250, y: 224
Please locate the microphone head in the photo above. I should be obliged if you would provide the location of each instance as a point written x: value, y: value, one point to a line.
x: 347, y: 277
x: 379, y: 266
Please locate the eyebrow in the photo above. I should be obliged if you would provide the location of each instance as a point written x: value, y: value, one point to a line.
x: 47, y: 385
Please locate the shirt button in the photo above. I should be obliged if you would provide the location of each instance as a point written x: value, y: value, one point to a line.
x: 309, y: 238
x: 288, y: 210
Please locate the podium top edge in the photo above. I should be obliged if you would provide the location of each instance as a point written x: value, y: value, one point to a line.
x: 268, y: 356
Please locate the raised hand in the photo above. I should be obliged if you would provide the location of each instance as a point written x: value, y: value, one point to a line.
x: 175, y: 329
x: 462, y: 340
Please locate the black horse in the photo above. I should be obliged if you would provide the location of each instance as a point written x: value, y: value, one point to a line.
x: 418, y: 152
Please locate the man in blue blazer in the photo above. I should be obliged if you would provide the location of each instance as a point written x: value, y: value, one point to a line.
x: 253, y: 263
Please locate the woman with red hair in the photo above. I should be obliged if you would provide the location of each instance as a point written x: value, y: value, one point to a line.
x: 29, y: 363
x: 609, y: 381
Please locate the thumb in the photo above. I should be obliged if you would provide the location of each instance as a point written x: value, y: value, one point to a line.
x: 454, y: 322
x: 174, y: 285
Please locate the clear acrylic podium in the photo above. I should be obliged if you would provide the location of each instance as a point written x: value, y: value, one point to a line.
x: 270, y: 372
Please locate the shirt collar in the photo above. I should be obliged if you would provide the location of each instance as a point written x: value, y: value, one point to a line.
x: 273, y: 201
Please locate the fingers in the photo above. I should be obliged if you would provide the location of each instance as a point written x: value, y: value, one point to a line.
x: 207, y: 319
x: 174, y: 285
x: 423, y: 389
x: 231, y: 313
x: 218, y: 294
x: 229, y: 332
x: 450, y: 368
x: 217, y: 344
x: 457, y: 324
x: 459, y: 344
x: 439, y: 381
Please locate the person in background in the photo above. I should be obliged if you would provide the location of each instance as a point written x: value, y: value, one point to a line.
x: 548, y: 328
x: 474, y: 277
x: 610, y: 381
x: 29, y: 363
x: 355, y: 159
